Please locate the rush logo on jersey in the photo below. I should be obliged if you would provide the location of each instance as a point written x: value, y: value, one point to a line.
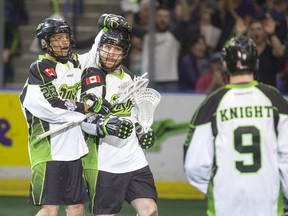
x: 50, y: 72
x: 93, y: 79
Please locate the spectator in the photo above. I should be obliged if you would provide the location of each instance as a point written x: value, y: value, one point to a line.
x: 200, y: 22
x: 189, y: 63
x: 212, y: 79
x: 167, y: 45
x: 196, y: 8
x: 139, y: 18
x: 226, y: 15
x: 205, y: 78
x: 269, y: 48
x: 135, y: 55
x: 278, y: 10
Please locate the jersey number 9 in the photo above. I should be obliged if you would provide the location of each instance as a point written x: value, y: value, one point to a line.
x: 243, y: 147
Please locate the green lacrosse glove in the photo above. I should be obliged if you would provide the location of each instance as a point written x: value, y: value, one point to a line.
x: 96, y: 104
x: 114, y: 21
x: 146, y: 140
x: 114, y: 126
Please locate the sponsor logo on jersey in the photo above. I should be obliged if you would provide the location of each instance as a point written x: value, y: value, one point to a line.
x: 50, y: 72
x: 93, y: 79
x: 70, y: 104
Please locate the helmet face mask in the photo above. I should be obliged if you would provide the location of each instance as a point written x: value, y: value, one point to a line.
x: 50, y: 28
x: 111, y: 55
x: 240, y: 55
x: 114, y: 46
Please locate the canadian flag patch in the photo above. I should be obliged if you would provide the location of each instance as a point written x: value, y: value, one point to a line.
x: 93, y: 79
x: 50, y: 72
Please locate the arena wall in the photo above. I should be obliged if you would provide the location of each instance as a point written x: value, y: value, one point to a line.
x: 172, y: 117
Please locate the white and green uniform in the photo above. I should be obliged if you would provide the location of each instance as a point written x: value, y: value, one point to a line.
x: 115, y: 155
x: 46, y: 103
x: 236, y: 151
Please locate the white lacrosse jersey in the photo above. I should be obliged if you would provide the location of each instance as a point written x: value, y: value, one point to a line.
x: 115, y: 155
x: 49, y: 99
x: 236, y: 151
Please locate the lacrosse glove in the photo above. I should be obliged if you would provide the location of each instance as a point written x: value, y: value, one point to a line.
x: 114, y: 126
x: 114, y: 21
x: 146, y: 140
x: 96, y: 104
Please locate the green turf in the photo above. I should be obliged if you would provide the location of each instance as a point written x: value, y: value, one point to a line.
x: 12, y: 206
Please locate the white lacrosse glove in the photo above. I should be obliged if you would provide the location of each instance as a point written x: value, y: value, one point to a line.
x: 146, y: 140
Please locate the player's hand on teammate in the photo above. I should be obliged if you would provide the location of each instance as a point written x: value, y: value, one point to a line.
x: 146, y: 140
x: 114, y: 21
x: 96, y: 104
x: 114, y: 126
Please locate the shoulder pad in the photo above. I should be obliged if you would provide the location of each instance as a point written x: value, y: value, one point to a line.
x: 92, y: 77
x: 42, y: 71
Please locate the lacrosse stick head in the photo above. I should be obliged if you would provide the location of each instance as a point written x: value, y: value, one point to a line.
x: 146, y: 100
x: 128, y: 89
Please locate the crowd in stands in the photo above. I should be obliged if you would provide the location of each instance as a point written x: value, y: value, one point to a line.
x: 190, y: 34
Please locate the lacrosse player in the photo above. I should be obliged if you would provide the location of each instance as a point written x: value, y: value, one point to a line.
x: 116, y: 169
x: 50, y: 98
x: 236, y: 151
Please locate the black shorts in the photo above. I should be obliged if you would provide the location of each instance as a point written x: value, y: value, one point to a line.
x: 58, y: 183
x: 112, y: 189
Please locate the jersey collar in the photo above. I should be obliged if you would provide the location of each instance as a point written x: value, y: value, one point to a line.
x: 242, y: 85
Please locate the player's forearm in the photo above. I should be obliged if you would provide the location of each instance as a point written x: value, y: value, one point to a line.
x: 88, y: 59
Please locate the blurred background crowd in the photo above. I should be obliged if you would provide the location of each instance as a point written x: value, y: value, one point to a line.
x: 189, y: 35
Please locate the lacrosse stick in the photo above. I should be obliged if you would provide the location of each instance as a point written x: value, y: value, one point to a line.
x: 127, y: 92
x: 146, y: 101
x: 130, y: 88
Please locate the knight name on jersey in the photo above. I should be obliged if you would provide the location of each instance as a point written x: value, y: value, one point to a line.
x: 246, y: 112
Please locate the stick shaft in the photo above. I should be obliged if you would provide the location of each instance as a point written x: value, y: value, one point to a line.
x: 54, y: 130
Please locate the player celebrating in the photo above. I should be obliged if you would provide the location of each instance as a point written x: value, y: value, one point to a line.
x: 50, y: 98
x: 124, y: 173
x: 236, y: 151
